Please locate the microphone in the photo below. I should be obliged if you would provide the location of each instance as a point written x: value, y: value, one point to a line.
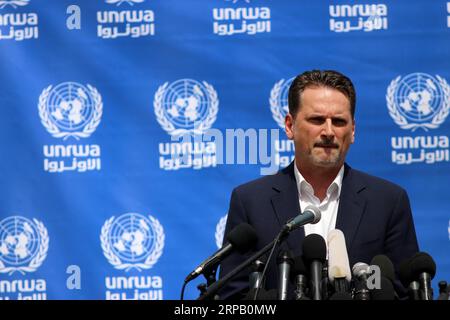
x: 242, y: 238
x: 314, y: 252
x: 443, y: 290
x: 407, y: 280
x: 360, y: 272
x: 298, y: 276
x: 284, y: 261
x: 325, y: 282
x: 416, y: 273
x: 338, y: 265
x: 423, y: 268
x: 386, y: 291
x: 386, y: 266
x: 311, y: 214
x: 255, y: 279
x: 291, y: 225
x: 387, y: 269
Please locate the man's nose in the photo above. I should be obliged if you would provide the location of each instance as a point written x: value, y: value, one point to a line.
x: 328, y: 129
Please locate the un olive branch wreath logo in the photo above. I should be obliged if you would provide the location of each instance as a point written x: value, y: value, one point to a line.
x: 115, y: 261
x: 53, y: 129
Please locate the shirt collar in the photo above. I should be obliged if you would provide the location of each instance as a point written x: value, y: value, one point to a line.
x: 304, y: 186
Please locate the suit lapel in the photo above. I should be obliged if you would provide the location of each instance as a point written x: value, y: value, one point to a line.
x: 286, y: 205
x: 351, y: 206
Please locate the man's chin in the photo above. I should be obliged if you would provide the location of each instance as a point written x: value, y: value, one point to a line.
x: 327, y: 163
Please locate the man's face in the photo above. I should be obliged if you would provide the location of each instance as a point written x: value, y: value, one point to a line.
x: 323, y: 128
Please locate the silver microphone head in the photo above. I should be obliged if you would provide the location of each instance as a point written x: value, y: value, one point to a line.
x: 315, y: 211
x: 359, y: 269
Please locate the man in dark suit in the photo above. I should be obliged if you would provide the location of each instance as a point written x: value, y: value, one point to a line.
x: 374, y: 214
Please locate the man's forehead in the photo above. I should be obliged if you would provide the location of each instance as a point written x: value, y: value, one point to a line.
x: 323, y: 92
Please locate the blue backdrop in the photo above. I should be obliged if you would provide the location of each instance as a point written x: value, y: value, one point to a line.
x: 126, y: 123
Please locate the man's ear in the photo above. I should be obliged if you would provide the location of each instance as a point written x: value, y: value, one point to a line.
x: 353, y: 131
x: 289, y: 126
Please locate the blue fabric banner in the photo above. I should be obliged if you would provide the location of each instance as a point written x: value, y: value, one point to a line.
x: 127, y: 123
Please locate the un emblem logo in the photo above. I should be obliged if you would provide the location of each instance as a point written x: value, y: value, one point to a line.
x: 279, y: 105
x: 220, y: 231
x: 23, y: 244
x: 70, y: 110
x: 186, y: 106
x: 13, y: 3
x: 418, y: 101
x: 132, y: 241
x: 119, y: 2
x: 234, y: 1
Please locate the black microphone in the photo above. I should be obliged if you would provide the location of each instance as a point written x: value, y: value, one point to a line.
x: 423, y: 269
x: 298, y: 276
x: 326, y: 290
x: 242, y: 238
x: 284, y: 261
x: 311, y: 214
x: 406, y: 278
x: 385, y: 292
x: 443, y: 290
x: 360, y: 272
x: 315, y: 252
x: 386, y: 266
x: 387, y: 269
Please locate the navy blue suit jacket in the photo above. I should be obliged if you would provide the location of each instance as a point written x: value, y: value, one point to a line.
x: 374, y: 215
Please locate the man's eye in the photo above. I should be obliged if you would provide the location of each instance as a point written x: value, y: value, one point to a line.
x: 339, y: 122
x: 317, y: 120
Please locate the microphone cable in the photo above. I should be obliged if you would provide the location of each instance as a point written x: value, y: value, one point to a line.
x: 277, y: 239
x: 182, y: 289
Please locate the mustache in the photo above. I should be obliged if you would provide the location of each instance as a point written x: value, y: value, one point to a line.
x: 326, y: 144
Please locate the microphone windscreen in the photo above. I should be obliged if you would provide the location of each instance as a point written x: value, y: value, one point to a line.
x: 386, y: 291
x: 314, y: 247
x: 422, y: 262
x: 243, y: 237
x: 299, y: 266
x: 338, y: 264
x: 386, y: 267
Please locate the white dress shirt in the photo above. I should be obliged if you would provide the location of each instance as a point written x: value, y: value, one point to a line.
x: 328, y: 207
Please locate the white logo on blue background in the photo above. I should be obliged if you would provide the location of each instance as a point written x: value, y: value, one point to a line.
x: 278, y: 100
x: 220, y: 231
x: 70, y: 110
x: 119, y: 2
x: 234, y: 1
x: 186, y: 106
x: 418, y: 100
x: 23, y: 244
x: 132, y: 241
x: 13, y: 3
x: 448, y: 229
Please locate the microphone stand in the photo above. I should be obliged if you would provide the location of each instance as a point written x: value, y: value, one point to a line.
x: 216, y: 286
x: 210, y: 276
